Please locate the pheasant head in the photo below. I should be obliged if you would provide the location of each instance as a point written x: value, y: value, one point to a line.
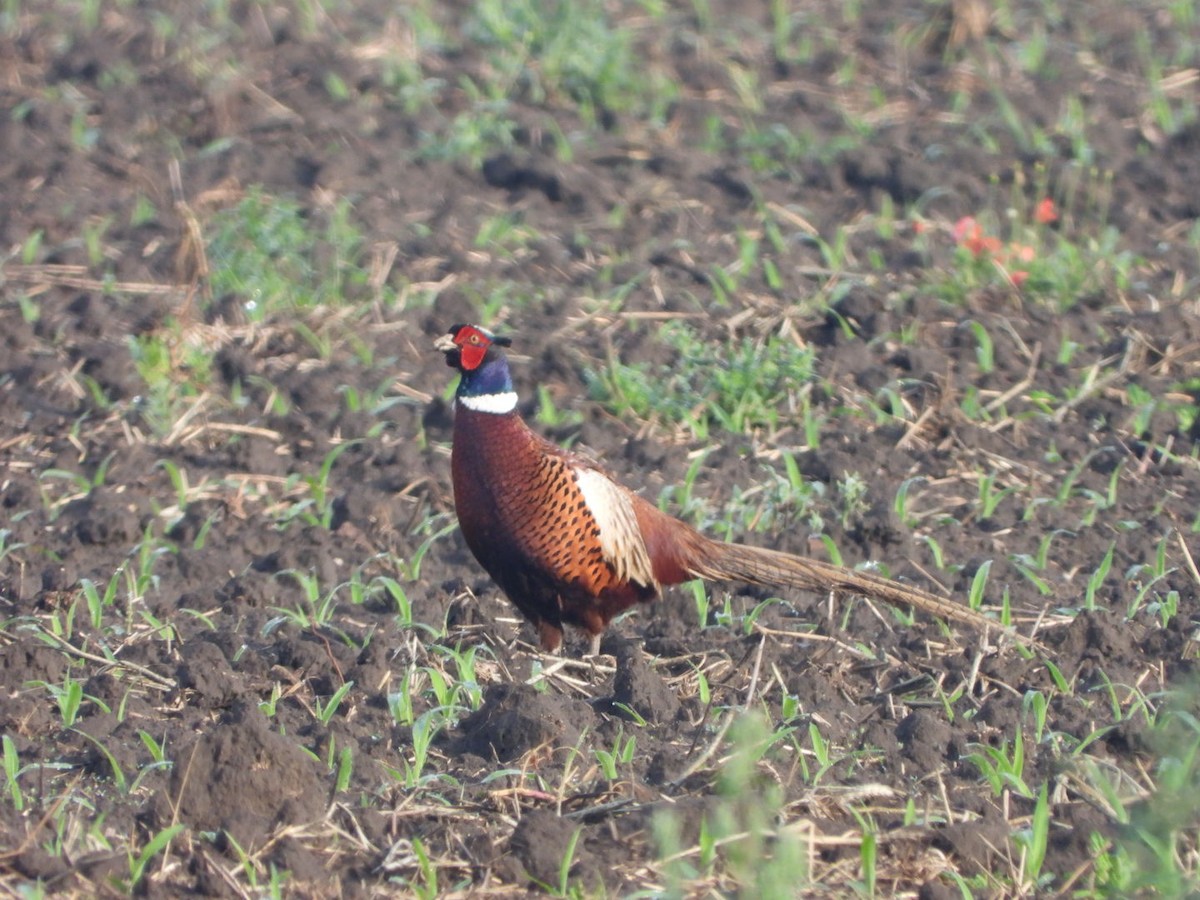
x: 486, y: 385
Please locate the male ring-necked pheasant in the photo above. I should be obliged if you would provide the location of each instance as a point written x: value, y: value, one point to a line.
x: 571, y: 546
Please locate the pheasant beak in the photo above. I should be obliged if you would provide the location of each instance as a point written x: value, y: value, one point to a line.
x: 445, y: 344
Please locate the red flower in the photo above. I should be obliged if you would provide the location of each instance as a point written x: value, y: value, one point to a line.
x: 969, y: 233
x: 1045, y: 212
x: 1018, y: 277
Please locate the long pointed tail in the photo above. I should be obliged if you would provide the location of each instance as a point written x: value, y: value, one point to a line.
x: 755, y: 565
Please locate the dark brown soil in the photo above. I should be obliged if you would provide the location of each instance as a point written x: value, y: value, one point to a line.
x: 98, y: 117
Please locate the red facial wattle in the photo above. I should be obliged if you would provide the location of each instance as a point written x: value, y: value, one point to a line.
x: 473, y: 347
x: 472, y: 356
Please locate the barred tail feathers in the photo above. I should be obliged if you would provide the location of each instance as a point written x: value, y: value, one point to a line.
x: 756, y: 565
x: 679, y: 553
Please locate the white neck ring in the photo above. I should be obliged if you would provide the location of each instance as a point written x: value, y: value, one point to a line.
x: 491, y: 403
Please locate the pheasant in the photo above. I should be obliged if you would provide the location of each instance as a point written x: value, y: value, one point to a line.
x: 569, y: 545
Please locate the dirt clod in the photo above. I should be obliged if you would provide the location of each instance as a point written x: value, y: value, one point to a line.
x: 243, y: 778
x: 517, y: 719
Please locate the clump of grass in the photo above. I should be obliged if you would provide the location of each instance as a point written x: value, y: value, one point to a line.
x: 1155, y: 848
x: 485, y: 128
x: 777, y: 500
x: 737, y: 387
x: 546, y: 50
x: 741, y: 844
x: 268, y: 252
x: 535, y: 52
x: 176, y: 374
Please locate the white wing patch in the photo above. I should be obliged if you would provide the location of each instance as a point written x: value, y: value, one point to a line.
x: 620, y: 537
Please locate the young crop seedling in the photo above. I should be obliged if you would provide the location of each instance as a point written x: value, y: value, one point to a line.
x: 316, y: 609
x: 68, y: 697
x: 1033, y: 841
x: 82, y: 484
x: 991, y: 496
x: 620, y: 754
x: 158, y: 843
x: 1028, y: 567
x: 13, y: 771
x: 1097, y: 578
x: 424, y: 730
x: 326, y: 711
x: 322, y: 497
x: 1003, y: 767
x: 979, y: 585
x: 343, y: 768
